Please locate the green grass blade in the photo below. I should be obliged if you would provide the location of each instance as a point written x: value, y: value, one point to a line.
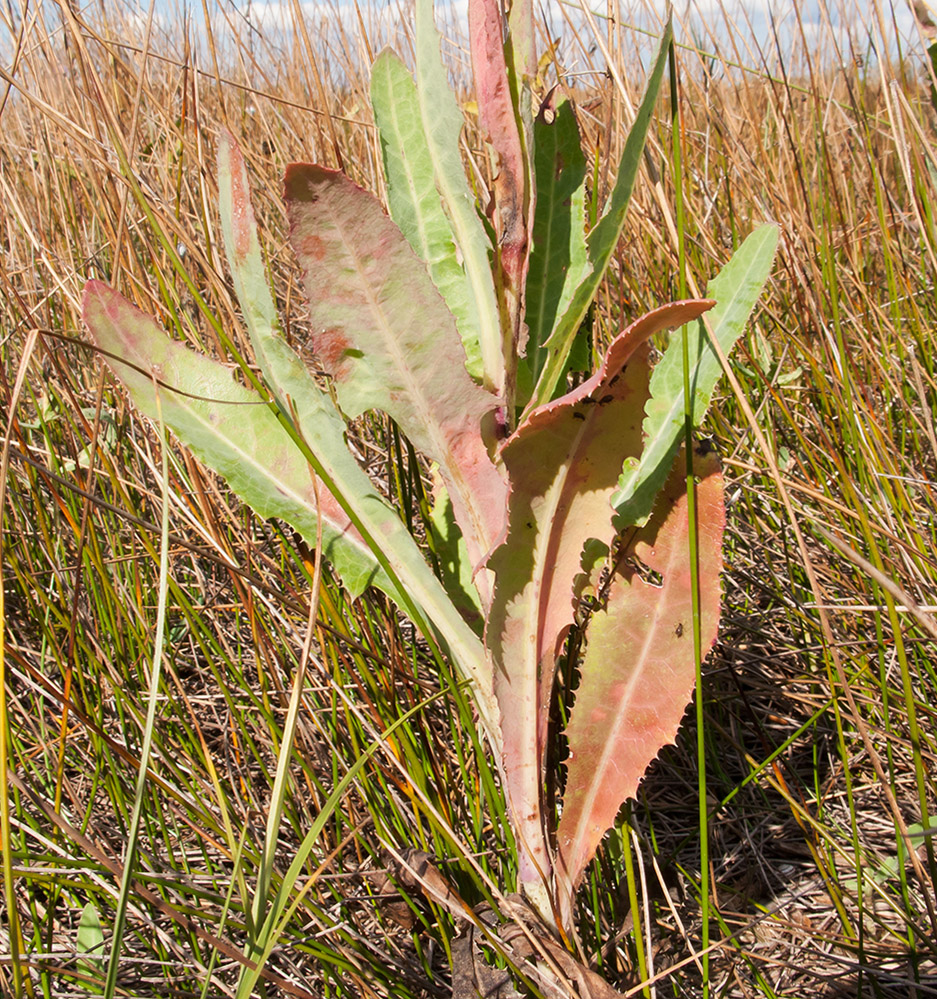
x: 152, y: 701
x: 14, y: 931
x: 736, y: 289
x: 281, y: 909
x: 281, y: 780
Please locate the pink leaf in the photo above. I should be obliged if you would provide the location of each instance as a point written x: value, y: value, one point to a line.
x: 383, y: 332
x: 563, y: 465
x: 512, y: 214
x: 639, y: 668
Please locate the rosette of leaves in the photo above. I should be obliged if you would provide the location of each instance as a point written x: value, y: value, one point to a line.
x: 554, y: 506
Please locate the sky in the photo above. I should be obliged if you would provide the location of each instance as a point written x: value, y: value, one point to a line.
x: 757, y: 22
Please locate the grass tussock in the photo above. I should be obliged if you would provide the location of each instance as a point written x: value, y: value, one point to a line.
x: 815, y: 870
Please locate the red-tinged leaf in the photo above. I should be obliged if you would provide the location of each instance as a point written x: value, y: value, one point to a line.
x: 639, y: 668
x: 231, y: 430
x: 498, y: 119
x: 563, y: 464
x: 286, y: 376
x: 383, y: 332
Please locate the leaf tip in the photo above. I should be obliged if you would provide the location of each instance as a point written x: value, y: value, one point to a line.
x: 95, y: 295
x: 302, y: 180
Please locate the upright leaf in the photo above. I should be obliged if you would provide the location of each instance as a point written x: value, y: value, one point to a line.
x: 300, y: 400
x: 381, y: 330
x: 562, y: 464
x: 442, y: 126
x: 603, y: 239
x: 242, y: 248
x: 413, y: 198
x: 511, y: 194
x: 639, y: 668
x: 736, y: 289
x: 559, y: 261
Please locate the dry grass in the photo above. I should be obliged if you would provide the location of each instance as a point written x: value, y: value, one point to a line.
x: 820, y: 700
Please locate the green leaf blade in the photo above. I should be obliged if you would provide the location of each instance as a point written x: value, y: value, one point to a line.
x: 442, y: 126
x: 413, y: 198
x: 559, y: 260
x: 229, y: 427
x: 736, y: 289
x: 603, y: 238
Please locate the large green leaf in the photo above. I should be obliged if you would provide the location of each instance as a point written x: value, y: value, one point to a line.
x: 412, y: 196
x: 442, y: 126
x: 562, y: 463
x: 603, y: 238
x: 229, y: 427
x: 559, y: 261
x: 381, y: 330
x: 736, y: 290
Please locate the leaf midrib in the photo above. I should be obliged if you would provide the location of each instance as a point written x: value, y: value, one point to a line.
x: 416, y: 394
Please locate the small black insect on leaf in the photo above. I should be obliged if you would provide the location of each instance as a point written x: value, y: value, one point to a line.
x: 704, y: 446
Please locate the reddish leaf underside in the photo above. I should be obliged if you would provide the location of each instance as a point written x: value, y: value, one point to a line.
x: 250, y: 281
x: 382, y: 331
x: 563, y: 464
x: 243, y: 223
x: 225, y: 424
x: 639, y: 668
x: 496, y: 115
